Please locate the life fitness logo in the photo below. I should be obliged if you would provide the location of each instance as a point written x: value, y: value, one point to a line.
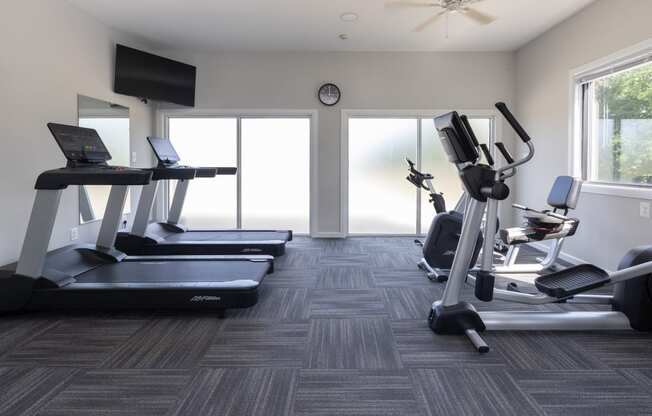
x: 205, y: 299
x: 252, y: 250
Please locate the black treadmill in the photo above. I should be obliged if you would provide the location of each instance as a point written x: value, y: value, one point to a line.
x: 97, y: 276
x: 171, y: 237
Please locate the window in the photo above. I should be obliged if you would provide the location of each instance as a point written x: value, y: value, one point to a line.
x: 210, y: 202
x: 615, y: 123
x: 272, y: 154
x: 276, y: 173
x: 379, y: 200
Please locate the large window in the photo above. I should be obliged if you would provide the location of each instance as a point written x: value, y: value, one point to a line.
x: 272, y: 187
x: 210, y: 202
x: 615, y: 120
x: 276, y: 173
x: 379, y: 199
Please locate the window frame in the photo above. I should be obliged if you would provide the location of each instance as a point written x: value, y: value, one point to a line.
x: 578, y: 150
x: 347, y: 114
x: 162, y: 125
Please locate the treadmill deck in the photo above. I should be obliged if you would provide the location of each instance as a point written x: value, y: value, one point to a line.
x: 227, y: 274
x: 236, y: 236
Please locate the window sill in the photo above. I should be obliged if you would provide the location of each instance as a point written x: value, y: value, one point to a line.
x: 617, y: 190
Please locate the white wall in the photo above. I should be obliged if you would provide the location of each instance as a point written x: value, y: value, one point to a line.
x: 609, y: 225
x: 368, y: 81
x: 50, y: 52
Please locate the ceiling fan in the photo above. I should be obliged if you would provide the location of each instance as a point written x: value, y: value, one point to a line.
x: 447, y: 7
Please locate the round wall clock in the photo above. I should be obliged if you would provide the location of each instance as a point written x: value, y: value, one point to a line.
x: 329, y: 94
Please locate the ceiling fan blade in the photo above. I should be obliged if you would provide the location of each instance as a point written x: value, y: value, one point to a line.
x: 400, y: 4
x: 477, y: 16
x: 429, y: 21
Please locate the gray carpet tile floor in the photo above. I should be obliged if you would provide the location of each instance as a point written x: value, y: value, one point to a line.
x: 340, y: 329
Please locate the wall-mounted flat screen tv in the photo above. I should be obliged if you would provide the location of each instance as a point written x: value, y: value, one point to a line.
x: 144, y: 75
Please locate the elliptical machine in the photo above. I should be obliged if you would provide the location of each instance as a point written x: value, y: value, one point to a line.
x: 631, y: 302
x: 438, y: 248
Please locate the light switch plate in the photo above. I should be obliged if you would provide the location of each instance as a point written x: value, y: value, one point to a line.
x: 644, y: 210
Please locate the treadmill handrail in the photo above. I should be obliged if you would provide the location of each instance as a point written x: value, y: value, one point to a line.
x: 163, y: 172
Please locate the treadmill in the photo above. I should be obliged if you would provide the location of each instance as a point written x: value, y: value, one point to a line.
x: 97, y: 276
x: 171, y: 237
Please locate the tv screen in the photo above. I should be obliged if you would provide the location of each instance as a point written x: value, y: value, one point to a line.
x: 144, y: 75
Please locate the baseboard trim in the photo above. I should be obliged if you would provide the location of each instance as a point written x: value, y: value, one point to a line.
x: 563, y: 255
x: 328, y: 234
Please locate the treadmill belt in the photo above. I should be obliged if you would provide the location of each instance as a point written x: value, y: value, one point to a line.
x: 243, y: 236
x: 176, y: 271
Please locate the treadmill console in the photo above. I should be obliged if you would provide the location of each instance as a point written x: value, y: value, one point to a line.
x: 168, y: 163
x: 87, y: 165
x: 80, y: 144
x: 164, y: 150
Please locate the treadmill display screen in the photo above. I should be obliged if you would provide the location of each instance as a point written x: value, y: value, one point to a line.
x: 79, y: 144
x: 164, y: 150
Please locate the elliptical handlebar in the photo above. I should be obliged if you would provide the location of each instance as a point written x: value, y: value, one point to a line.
x: 469, y: 129
x: 502, y: 107
x: 487, y: 154
x: 503, y: 151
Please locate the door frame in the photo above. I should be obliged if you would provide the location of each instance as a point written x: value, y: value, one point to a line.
x: 163, y: 115
x: 347, y: 114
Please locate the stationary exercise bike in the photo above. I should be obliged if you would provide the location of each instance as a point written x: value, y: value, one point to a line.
x: 444, y: 233
x: 631, y: 301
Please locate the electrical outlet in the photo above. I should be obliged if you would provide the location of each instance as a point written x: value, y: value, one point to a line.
x: 133, y: 157
x: 644, y: 210
x: 74, y: 234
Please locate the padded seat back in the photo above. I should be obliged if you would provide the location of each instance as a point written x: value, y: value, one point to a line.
x: 565, y: 192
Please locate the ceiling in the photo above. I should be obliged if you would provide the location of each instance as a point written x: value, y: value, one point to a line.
x: 315, y: 25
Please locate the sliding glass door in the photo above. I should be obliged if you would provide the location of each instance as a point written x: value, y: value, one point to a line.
x: 380, y: 200
x: 210, y: 202
x: 272, y: 187
x: 276, y: 173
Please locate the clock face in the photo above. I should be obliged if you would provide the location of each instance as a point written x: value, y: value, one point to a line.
x: 329, y: 94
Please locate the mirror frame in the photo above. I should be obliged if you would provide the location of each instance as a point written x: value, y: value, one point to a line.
x: 86, y: 208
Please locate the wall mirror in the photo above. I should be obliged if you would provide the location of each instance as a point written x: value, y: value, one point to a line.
x: 112, y: 123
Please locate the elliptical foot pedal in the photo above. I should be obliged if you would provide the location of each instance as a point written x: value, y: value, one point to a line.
x: 571, y: 281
